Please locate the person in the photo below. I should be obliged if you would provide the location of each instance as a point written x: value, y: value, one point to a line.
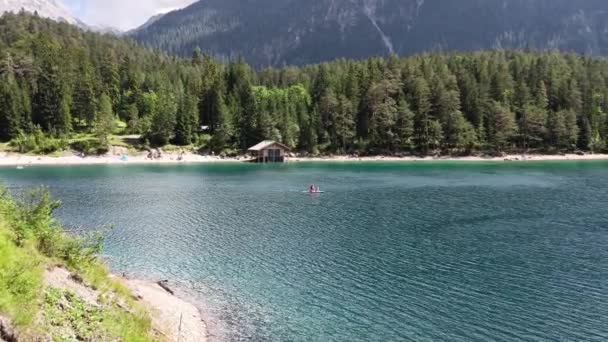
x: 317, y: 189
x: 311, y: 188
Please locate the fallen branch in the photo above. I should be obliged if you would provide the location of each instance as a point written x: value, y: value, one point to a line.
x: 164, y: 286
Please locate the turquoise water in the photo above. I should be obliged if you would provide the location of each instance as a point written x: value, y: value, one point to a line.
x: 391, y: 252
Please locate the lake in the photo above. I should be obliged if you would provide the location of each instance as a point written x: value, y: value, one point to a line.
x: 442, y: 251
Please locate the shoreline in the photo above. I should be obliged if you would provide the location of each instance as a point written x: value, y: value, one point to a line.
x: 506, y: 158
x: 174, y: 317
x: 22, y: 160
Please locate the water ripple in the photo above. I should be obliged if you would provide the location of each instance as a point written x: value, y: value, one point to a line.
x: 391, y: 252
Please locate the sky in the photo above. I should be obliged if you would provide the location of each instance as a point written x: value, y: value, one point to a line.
x: 121, y: 14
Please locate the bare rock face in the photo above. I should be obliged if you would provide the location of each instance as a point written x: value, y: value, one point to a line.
x: 52, y: 9
x: 279, y: 32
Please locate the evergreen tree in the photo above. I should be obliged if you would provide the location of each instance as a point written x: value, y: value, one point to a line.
x: 532, y: 126
x: 186, y: 120
x: 109, y: 74
x: 132, y: 117
x: 328, y: 106
x: 562, y: 129
x: 163, y: 120
x: 12, y: 111
x: 344, y: 123
x: 246, y: 117
x: 542, y: 99
x: 83, y: 98
x: 63, y: 79
x: 51, y: 102
x: 404, y: 127
x: 422, y: 109
x: 384, y: 110
x: 105, y: 119
x: 224, y: 130
x: 502, y: 126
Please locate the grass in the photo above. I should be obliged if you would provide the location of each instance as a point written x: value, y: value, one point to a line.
x: 69, y: 317
x: 30, y: 242
x: 20, y: 278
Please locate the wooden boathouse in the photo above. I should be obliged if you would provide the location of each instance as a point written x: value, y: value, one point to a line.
x: 269, y: 151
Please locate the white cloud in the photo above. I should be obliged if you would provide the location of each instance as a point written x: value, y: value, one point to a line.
x: 125, y: 14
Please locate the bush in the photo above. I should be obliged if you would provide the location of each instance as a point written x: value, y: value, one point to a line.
x: 32, y: 219
x: 90, y: 146
x: 204, y: 140
x: 81, y: 146
x: 38, y: 143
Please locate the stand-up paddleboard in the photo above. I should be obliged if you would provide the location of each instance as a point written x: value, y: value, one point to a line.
x: 313, y: 192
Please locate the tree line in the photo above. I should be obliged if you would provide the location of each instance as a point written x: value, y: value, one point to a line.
x: 57, y: 80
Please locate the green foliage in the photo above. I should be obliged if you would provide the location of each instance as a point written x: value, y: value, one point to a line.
x: 65, y: 312
x: 30, y: 241
x: 89, y: 146
x: 501, y: 126
x: 13, y: 110
x: 33, y: 221
x: 186, y: 121
x: 20, y: 271
x: 58, y: 80
x: 163, y: 121
x: 105, y: 119
x: 38, y: 143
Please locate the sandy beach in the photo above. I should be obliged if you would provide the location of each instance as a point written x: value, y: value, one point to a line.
x: 16, y: 159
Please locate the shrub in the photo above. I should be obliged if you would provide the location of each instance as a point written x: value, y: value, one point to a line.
x: 81, y: 146
x: 33, y: 221
x: 90, y: 146
x: 38, y: 143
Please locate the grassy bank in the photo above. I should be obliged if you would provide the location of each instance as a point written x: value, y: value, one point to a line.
x: 32, y: 246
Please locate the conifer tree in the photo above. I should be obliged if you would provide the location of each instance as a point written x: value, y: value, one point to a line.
x: 404, y: 126
x: 422, y: 109
x: 83, y: 98
x: 12, y: 111
x: 186, y: 120
x: 501, y: 126
x: 51, y: 102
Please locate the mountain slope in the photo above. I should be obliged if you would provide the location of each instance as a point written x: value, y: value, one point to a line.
x: 147, y: 24
x: 52, y: 9
x: 276, y: 32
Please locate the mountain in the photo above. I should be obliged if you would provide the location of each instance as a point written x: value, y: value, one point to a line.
x: 277, y: 32
x: 103, y: 29
x: 147, y: 24
x: 52, y: 9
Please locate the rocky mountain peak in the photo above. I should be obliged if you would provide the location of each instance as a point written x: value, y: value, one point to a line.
x: 52, y: 9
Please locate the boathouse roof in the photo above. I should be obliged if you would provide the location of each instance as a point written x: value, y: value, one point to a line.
x: 267, y: 144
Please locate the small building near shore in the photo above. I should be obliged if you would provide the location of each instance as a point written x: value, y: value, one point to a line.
x: 269, y: 151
